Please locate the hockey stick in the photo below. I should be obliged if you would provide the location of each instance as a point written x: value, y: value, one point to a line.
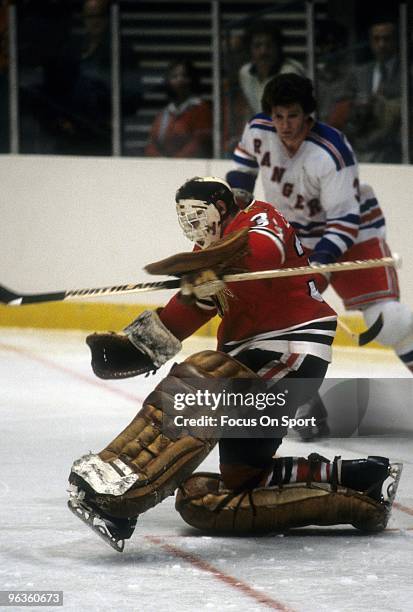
x: 365, y: 337
x: 17, y: 299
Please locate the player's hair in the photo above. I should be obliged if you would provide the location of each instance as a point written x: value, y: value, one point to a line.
x: 286, y: 89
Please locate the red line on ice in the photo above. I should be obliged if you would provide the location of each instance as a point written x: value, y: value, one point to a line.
x: 236, y: 583
x: 55, y: 366
x: 403, y: 508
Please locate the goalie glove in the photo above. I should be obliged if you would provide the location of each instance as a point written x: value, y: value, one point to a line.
x: 147, y: 345
x: 222, y: 257
x: 114, y: 356
x: 203, y: 286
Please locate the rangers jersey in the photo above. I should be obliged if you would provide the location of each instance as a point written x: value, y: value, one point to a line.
x: 317, y: 189
x: 372, y: 221
x: 284, y: 315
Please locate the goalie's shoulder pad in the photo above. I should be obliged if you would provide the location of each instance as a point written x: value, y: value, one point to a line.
x: 218, y: 257
x: 205, y: 503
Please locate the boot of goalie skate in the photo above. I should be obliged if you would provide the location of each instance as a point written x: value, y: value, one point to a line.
x: 366, y: 475
x: 377, y: 478
x: 363, y: 475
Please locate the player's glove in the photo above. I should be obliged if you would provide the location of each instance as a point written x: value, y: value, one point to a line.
x: 147, y: 345
x: 114, y: 356
x: 242, y: 185
x: 205, y: 286
x: 319, y: 258
x: 201, y: 285
x: 242, y: 197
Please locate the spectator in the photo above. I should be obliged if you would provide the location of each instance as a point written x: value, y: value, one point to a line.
x: 47, y: 62
x: 267, y: 59
x: 91, y: 96
x: 235, y: 109
x: 65, y: 96
x: 184, y: 127
x: 334, y: 76
x: 95, y: 20
x: 374, y: 125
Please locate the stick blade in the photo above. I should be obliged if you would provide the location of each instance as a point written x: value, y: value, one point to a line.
x: 7, y: 296
x: 372, y: 332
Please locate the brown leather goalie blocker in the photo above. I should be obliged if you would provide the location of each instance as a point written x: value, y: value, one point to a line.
x: 144, y: 463
x: 219, y: 257
x: 204, y: 503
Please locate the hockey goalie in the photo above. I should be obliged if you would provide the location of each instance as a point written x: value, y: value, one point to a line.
x: 277, y: 331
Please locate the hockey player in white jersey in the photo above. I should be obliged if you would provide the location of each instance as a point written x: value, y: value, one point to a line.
x: 310, y: 173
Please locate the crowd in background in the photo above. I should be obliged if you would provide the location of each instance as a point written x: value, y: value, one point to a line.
x: 361, y: 99
x: 65, y: 85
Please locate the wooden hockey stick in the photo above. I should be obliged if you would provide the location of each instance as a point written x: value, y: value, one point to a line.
x: 7, y: 296
x: 345, y: 328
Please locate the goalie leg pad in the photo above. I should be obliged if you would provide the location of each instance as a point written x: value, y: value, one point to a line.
x: 204, y: 502
x: 144, y: 463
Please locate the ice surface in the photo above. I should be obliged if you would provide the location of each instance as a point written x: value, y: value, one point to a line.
x: 53, y: 410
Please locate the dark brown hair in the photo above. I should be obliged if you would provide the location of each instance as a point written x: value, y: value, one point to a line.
x: 286, y: 89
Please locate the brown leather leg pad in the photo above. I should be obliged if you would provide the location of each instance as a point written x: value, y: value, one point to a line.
x: 205, y: 503
x: 145, y: 463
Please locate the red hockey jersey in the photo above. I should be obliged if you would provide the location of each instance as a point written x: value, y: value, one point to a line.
x: 285, y: 315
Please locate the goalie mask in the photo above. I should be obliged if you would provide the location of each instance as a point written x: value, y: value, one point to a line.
x: 198, y: 215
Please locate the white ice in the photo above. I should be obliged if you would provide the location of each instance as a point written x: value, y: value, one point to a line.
x: 53, y: 410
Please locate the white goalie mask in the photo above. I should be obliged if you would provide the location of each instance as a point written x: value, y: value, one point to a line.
x: 198, y: 215
x: 199, y: 221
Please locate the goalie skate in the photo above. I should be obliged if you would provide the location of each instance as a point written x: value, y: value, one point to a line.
x: 395, y: 472
x: 113, y: 531
x: 388, y: 492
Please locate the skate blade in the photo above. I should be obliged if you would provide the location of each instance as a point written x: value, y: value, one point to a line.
x: 89, y: 517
